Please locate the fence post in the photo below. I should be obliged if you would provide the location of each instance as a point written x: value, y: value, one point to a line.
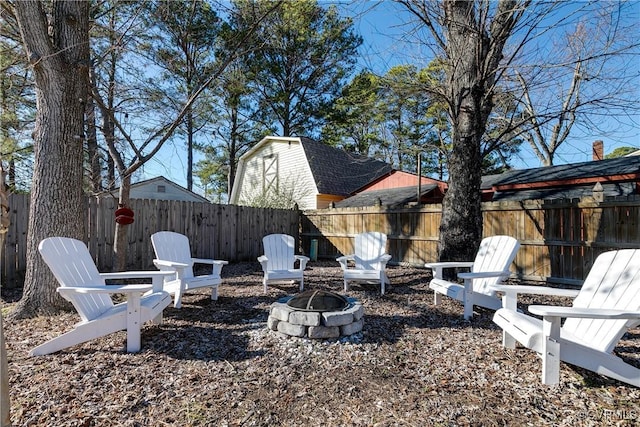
x: 5, y: 419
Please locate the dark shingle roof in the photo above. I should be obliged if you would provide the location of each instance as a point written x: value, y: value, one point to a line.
x: 339, y: 172
x: 391, y: 197
x: 566, y: 192
x: 600, y: 168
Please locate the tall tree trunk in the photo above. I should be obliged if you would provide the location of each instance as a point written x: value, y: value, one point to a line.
x: 190, y: 132
x: 233, y: 151
x: 473, y: 57
x: 60, y: 65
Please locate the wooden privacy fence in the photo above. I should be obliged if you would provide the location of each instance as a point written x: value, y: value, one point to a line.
x: 559, y: 239
x: 228, y: 232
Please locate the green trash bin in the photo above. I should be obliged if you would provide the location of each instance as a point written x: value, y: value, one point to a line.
x: 313, y: 251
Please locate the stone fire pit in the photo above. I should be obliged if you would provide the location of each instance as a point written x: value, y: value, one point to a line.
x: 316, y: 314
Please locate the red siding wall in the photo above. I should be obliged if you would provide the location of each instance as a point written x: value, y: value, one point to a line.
x: 399, y: 179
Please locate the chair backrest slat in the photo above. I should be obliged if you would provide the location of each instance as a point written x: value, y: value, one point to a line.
x: 279, y: 250
x: 72, y: 265
x: 496, y: 253
x: 368, y: 247
x: 172, y: 246
x: 613, y: 282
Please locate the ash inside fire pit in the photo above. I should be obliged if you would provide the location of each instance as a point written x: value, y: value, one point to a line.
x: 316, y: 314
x: 319, y: 301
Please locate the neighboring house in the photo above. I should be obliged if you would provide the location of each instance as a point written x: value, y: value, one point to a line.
x: 617, y: 177
x: 605, y: 178
x: 160, y: 188
x: 396, y: 189
x: 312, y: 173
x: 318, y: 176
x: 393, y: 197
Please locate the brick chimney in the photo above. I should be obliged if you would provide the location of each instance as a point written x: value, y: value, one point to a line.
x: 598, y: 150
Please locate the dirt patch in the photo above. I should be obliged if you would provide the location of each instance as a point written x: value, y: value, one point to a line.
x: 214, y: 363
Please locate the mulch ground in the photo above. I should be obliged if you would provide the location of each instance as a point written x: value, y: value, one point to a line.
x: 214, y: 363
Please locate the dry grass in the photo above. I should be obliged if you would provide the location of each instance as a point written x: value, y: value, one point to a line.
x: 214, y: 363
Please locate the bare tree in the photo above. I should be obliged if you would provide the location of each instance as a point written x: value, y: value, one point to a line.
x: 56, y: 39
x: 470, y: 36
x: 588, y: 74
x: 137, y: 149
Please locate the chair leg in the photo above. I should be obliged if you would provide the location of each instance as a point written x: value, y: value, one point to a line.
x: 468, y: 299
x: 437, y: 298
x: 551, y: 350
x: 468, y: 306
x: 177, y: 299
x: 78, y: 335
x: 133, y: 323
x: 508, y: 341
x: 511, y: 304
x: 214, y: 292
x: 384, y: 280
x: 264, y: 284
x: 346, y: 286
x: 301, y: 284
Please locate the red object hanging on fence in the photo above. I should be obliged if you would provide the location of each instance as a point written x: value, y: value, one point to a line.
x: 124, y: 215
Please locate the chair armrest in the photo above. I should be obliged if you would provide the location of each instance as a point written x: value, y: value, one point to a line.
x: 343, y: 260
x: 264, y: 262
x: 170, y: 264
x: 385, y: 258
x: 581, y: 312
x: 483, y: 274
x: 510, y: 297
x: 209, y: 261
x: 438, y: 267
x: 449, y: 264
x: 514, y: 290
x: 157, y: 277
x: 303, y: 261
x: 134, y: 275
x: 216, y: 264
x: 105, y: 289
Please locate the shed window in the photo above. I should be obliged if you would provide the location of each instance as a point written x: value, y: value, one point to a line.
x: 162, y: 188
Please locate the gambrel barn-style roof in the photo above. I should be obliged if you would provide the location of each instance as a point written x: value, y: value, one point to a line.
x: 316, y: 174
x: 339, y: 172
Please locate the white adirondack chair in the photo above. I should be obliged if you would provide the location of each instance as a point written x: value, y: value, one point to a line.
x: 603, y: 309
x: 279, y: 259
x: 491, y: 266
x: 82, y: 285
x: 173, y: 253
x: 369, y: 261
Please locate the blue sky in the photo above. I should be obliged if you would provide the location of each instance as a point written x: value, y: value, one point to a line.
x: 383, y: 25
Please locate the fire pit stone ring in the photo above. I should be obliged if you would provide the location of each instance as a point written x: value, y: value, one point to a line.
x: 340, y: 317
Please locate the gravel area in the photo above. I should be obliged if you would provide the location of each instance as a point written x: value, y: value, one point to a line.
x: 215, y: 363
